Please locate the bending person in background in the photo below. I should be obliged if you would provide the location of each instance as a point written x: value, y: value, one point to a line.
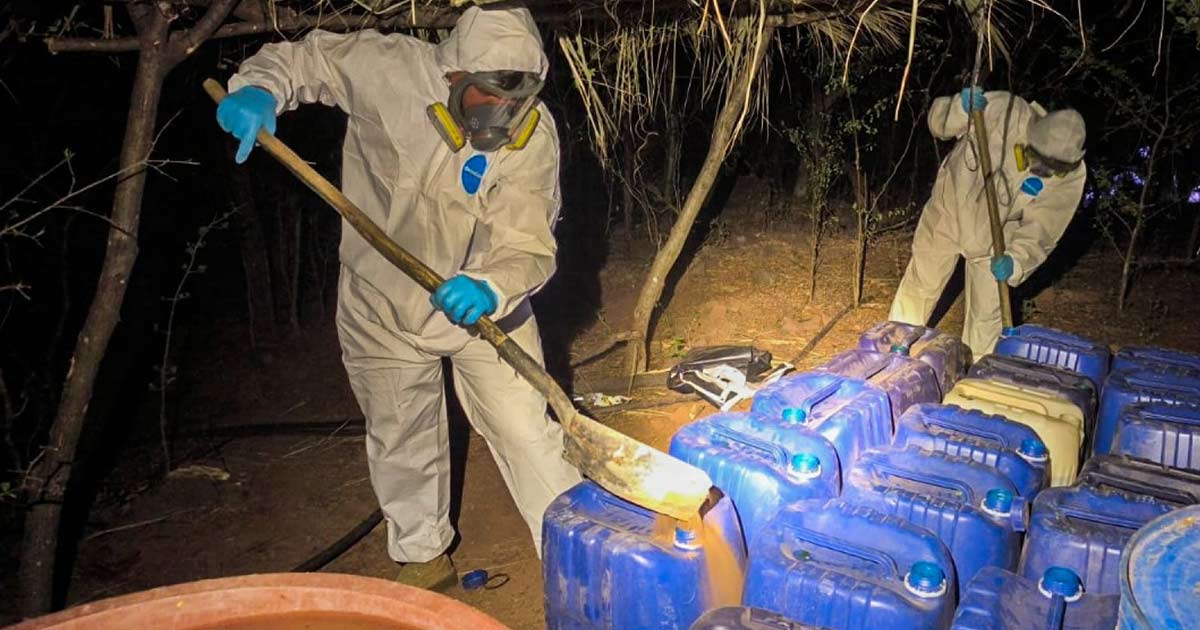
x: 1039, y: 174
x: 450, y: 152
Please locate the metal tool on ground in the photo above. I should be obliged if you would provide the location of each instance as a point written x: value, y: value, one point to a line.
x: 624, y: 466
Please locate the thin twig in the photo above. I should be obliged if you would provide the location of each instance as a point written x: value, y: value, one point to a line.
x: 164, y: 378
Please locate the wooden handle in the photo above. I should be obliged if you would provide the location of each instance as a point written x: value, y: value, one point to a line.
x: 412, y: 266
x: 989, y: 185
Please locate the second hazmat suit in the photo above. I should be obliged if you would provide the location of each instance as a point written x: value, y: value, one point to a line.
x: 1034, y: 209
x: 487, y: 216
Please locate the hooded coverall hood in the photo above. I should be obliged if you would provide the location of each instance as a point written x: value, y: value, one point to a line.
x: 1059, y: 135
x: 494, y: 39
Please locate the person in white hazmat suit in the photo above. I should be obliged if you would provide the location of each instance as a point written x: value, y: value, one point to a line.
x: 449, y: 151
x: 1037, y: 159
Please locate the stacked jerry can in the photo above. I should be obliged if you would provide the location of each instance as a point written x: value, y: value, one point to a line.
x: 891, y: 488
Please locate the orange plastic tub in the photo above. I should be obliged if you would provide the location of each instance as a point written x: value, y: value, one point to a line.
x: 277, y: 601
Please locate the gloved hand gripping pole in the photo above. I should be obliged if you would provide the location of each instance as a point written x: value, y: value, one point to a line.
x: 629, y: 469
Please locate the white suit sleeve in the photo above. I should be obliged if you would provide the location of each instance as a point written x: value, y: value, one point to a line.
x: 1042, y: 224
x: 520, y: 211
x: 947, y: 120
x: 318, y: 68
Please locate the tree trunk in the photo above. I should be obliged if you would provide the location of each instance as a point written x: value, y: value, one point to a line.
x: 48, y: 480
x: 652, y: 288
x: 260, y: 309
x: 46, y: 485
x: 1128, y: 267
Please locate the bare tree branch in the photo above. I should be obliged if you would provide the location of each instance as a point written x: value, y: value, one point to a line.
x: 185, y: 43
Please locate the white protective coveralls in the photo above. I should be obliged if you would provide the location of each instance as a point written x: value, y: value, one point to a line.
x: 955, y: 220
x: 496, y: 228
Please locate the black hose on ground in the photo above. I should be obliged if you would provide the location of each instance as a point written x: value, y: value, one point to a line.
x: 342, y: 545
x: 346, y: 428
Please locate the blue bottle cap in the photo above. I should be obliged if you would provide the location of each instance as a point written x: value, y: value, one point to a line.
x: 1011, y: 331
x: 1061, y: 581
x: 998, y: 501
x: 899, y: 349
x: 475, y: 579
x: 1032, y: 448
x: 806, y: 465
x: 925, y: 579
x: 686, y: 538
x: 794, y: 414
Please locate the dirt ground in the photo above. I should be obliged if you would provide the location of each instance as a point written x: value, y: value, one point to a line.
x: 267, y: 502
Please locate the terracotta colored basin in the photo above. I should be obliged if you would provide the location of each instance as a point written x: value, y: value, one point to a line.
x: 277, y: 601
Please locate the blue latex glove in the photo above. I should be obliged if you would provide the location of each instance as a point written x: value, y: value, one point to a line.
x: 1002, y: 267
x: 464, y: 299
x: 243, y: 113
x: 973, y: 99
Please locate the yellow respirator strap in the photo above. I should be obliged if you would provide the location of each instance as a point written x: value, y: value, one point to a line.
x: 1019, y: 156
x: 439, y: 116
x: 524, y: 131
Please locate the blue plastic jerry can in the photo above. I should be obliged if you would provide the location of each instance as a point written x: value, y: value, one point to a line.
x: 851, y: 568
x: 1056, y: 348
x: 1070, y: 385
x: 1157, y: 359
x: 847, y: 412
x: 1166, y: 434
x: 1001, y: 600
x: 1142, y: 477
x: 946, y: 354
x: 1084, y: 529
x: 1011, y: 447
x: 1127, y: 388
x: 972, y: 508
x: 760, y: 465
x: 610, y: 565
x: 905, y: 380
x: 748, y: 618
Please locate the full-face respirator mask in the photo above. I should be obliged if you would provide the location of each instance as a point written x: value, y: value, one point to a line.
x: 506, y: 117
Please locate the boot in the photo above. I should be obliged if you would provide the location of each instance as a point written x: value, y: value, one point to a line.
x: 435, y: 575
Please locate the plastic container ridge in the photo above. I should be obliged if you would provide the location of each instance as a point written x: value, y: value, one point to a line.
x: 1012, y: 448
x: 905, y: 380
x: 851, y: 415
x: 1126, y: 388
x: 1084, y: 529
x: 1127, y: 474
x: 946, y: 354
x: 747, y: 618
x: 760, y: 465
x: 1072, y: 386
x: 1158, y: 359
x: 610, y: 564
x: 1057, y: 348
x: 1061, y: 435
x: 1001, y: 600
x: 972, y: 508
x: 1159, y: 573
x: 1167, y: 434
x: 851, y: 568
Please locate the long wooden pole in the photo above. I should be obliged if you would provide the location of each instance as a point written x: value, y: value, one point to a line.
x: 985, y: 164
x: 624, y: 466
